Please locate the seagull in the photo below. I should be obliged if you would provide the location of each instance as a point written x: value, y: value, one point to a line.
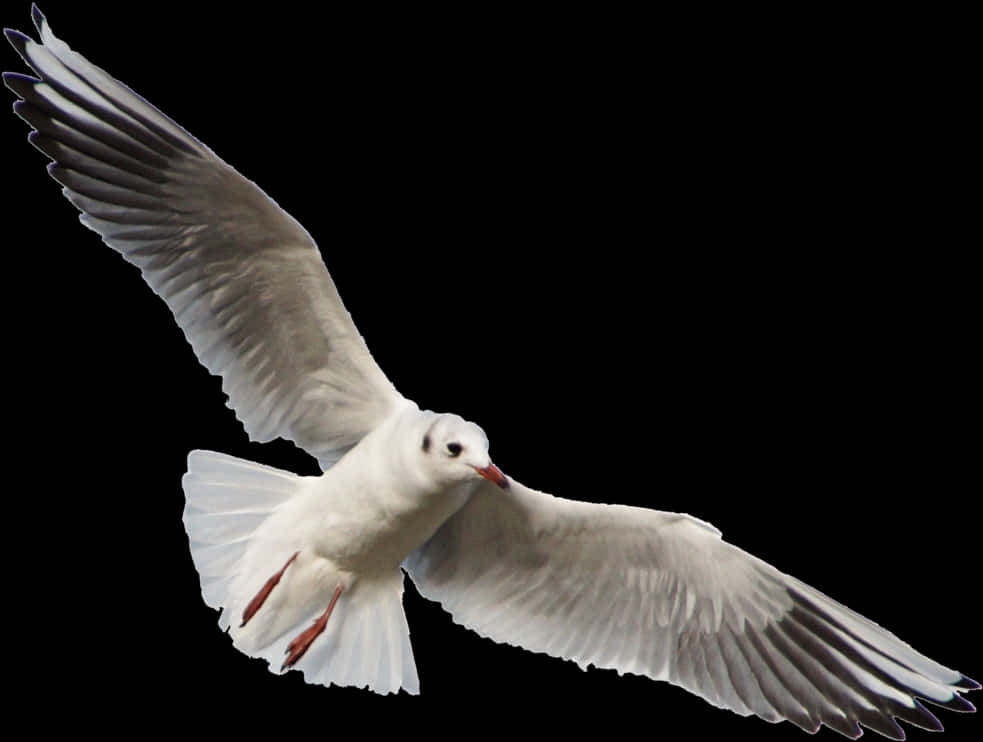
x: 307, y: 571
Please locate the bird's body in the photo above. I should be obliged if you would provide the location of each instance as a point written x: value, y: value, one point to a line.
x: 307, y: 571
x: 396, y: 508
x: 274, y: 548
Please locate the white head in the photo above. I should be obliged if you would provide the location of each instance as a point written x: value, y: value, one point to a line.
x: 454, y: 450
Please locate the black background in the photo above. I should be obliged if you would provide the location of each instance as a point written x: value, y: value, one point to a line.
x: 730, y: 280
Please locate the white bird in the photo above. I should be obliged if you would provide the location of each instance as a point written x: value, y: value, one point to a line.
x: 307, y: 571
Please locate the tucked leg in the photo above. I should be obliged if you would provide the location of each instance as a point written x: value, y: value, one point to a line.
x: 303, y: 641
x: 264, y: 593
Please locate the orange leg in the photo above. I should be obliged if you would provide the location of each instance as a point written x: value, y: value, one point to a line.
x: 264, y: 593
x: 302, y: 642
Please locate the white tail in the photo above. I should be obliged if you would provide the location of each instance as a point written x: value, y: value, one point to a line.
x: 366, y: 642
x: 226, y: 500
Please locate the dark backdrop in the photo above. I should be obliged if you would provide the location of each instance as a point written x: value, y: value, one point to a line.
x: 657, y: 270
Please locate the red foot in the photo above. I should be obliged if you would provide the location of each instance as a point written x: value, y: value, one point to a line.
x: 264, y: 593
x: 303, y: 641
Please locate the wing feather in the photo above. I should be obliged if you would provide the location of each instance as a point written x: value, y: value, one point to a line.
x: 663, y: 595
x: 243, y: 279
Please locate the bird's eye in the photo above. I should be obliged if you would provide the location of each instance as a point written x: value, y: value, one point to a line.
x: 426, y: 443
x: 454, y: 449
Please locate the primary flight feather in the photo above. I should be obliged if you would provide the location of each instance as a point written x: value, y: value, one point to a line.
x: 307, y: 570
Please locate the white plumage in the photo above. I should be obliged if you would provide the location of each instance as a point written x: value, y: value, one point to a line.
x: 641, y: 591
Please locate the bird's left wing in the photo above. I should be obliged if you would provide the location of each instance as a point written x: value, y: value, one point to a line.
x: 662, y: 595
x: 243, y: 279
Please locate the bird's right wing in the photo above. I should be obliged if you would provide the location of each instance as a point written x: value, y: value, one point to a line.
x: 661, y: 594
x: 244, y: 280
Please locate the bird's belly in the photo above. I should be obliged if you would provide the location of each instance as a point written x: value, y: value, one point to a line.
x: 376, y: 532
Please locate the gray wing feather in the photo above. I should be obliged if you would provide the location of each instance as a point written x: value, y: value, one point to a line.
x: 663, y: 595
x: 244, y: 280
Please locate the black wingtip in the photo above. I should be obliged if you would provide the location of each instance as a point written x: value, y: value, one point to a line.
x: 19, y: 84
x: 966, y: 683
x: 37, y: 16
x: 19, y: 109
x: 16, y: 37
x: 42, y: 143
x: 17, y: 40
x: 924, y: 719
x: 957, y: 703
x: 883, y: 724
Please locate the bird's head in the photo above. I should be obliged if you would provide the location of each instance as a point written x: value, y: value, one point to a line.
x: 454, y: 450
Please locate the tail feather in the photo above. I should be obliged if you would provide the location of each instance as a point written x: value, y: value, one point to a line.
x: 369, y: 644
x: 226, y: 500
x: 366, y: 643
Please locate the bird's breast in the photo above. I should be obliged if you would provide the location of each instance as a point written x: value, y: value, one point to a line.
x: 366, y: 526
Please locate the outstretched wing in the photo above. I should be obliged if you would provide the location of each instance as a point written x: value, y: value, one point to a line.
x: 244, y: 280
x: 661, y: 594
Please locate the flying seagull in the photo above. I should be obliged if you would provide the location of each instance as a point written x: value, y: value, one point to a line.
x: 308, y: 571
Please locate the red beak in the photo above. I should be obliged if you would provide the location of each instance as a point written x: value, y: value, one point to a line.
x: 493, y: 474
